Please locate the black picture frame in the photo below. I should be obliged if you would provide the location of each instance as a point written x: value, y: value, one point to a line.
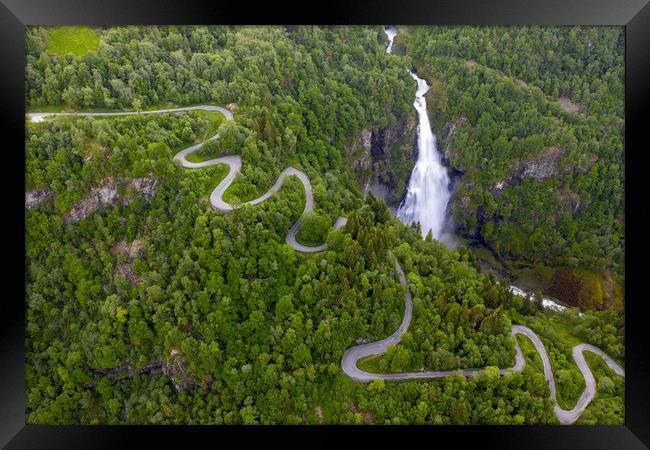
x: 16, y: 14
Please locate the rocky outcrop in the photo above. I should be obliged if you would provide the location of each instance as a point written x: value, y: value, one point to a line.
x: 36, y: 197
x: 383, y: 158
x: 568, y: 105
x: 539, y: 168
x: 446, y: 134
x: 393, y: 153
x: 472, y: 213
x: 359, y: 151
x: 176, y: 369
x: 108, y: 192
x: 132, y: 250
x: 572, y: 200
x: 145, y: 186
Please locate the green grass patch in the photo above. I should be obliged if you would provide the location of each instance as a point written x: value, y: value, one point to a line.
x: 75, y: 40
x: 241, y: 191
x: 533, y: 360
x: 549, y: 325
x: 371, y: 364
x: 215, y: 119
x: 210, y: 149
x: 205, y: 153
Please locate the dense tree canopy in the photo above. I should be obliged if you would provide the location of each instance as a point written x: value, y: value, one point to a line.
x: 542, y: 183
x: 158, y: 309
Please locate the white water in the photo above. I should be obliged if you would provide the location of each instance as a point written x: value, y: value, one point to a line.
x: 546, y: 302
x: 391, y: 32
x: 428, y: 191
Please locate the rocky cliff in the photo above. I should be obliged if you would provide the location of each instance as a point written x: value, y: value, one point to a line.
x: 36, y: 197
x: 110, y: 191
x: 383, y: 158
x: 538, y: 168
x: 175, y: 368
x: 469, y: 209
x: 447, y: 132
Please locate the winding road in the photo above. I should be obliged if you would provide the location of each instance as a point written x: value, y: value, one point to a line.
x: 233, y: 162
x: 565, y: 417
x: 354, y: 354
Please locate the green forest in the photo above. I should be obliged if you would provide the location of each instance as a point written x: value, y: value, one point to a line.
x: 538, y: 126
x: 146, y: 306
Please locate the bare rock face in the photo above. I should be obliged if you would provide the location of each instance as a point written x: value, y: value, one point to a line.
x: 104, y: 194
x: 128, y: 369
x: 319, y: 413
x: 35, y: 198
x: 126, y: 270
x: 539, y: 168
x: 384, y: 138
x: 359, y: 151
x: 447, y: 133
x: 109, y: 192
x: 464, y: 201
x: 135, y: 249
x: 568, y: 105
x: 366, y: 136
x: 391, y: 170
x: 572, y: 200
x: 145, y: 186
x: 543, y: 167
x: 176, y: 369
x: 382, y: 167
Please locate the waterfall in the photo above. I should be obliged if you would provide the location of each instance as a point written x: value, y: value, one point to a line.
x: 391, y: 32
x: 428, y: 191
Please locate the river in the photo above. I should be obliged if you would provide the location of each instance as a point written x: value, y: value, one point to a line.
x: 546, y: 302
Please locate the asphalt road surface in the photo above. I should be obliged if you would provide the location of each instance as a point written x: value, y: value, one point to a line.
x: 354, y: 354
x: 565, y: 417
x: 233, y: 162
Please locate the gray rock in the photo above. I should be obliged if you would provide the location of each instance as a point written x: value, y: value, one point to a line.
x: 108, y: 193
x: 36, y: 197
x: 538, y: 168
x: 390, y: 171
